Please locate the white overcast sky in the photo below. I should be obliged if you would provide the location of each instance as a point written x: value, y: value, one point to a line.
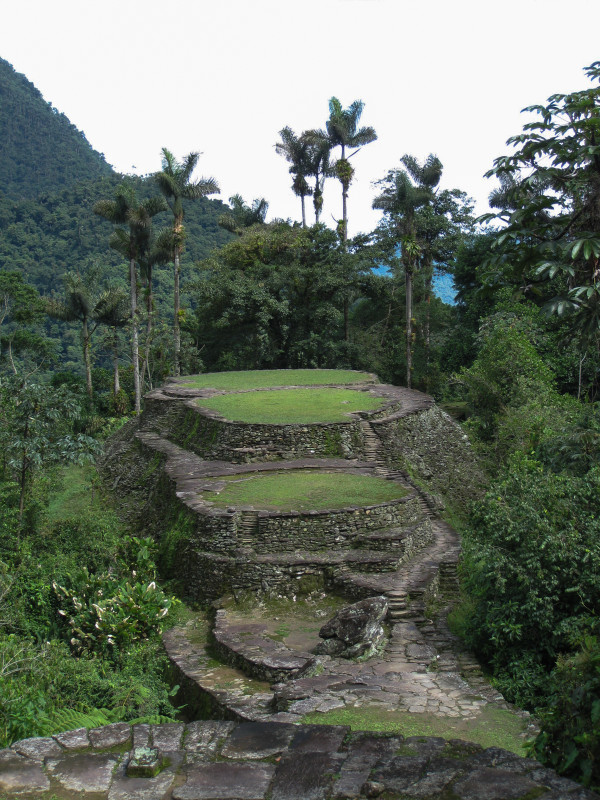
x: 224, y: 76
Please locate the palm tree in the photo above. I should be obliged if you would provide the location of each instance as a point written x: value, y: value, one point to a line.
x: 160, y: 251
x: 296, y: 150
x: 242, y: 215
x: 83, y: 302
x: 112, y: 310
x: 400, y: 200
x: 342, y: 131
x: 175, y: 184
x: 133, y: 243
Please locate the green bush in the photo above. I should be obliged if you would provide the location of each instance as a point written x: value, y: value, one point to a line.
x: 569, y: 740
x: 107, y: 613
x: 532, y: 562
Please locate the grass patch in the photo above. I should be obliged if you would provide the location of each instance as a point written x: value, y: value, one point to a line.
x: 265, y: 378
x: 494, y: 727
x: 290, y: 406
x: 305, y: 490
x: 75, y: 494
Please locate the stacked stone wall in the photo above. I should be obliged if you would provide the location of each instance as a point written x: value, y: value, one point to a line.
x: 432, y: 447
x: 334, y: 528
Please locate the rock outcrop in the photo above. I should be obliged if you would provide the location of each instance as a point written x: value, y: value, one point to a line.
x: 355, y: 630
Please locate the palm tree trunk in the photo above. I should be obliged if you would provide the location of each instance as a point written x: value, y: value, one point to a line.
x: 115, y: 349
x: 303, y: 211
x: 24, y: 470
x: 344, y: 205
x: 86, y: 359
x: 408, y: 273
x: 176, y: 328
x: 148, y: 330
x: 134, y: 336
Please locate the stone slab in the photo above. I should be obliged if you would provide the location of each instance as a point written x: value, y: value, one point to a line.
x: 202, y: 738
x: 225, y: 781
x: 86, y: 773
x: 110, y: 736
x: 20, y: 774
x: 167, y: 738
x: 37, y: 749
x: 141, y: 736
x: 493, y: 784
x: 319, y: 738
x: 73, y: 740
x: 305, y: 776
x: 257, y: 740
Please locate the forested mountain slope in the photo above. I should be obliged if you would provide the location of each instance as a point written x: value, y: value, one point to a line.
x: 50, y: 180
x: 41, y: 150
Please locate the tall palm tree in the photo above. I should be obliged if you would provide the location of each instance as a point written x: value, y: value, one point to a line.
x: 405, y: 191
x: 133, y: 243
x: 176, y: 185
x: 242, y: 215
x: 342, y: 131
x: 160, y: 251
x: 83, y: 301
x: 296, y: 150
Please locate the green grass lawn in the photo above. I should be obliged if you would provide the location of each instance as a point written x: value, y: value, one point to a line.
x: 292, y: 406
x: 305, y: 490
x: 493, y: 727
x: 265, y: 378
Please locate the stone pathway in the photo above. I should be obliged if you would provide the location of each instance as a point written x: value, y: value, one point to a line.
x: 216, y: 760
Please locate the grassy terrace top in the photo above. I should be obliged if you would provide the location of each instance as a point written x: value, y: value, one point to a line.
x: 304, y: 490
x: 266, y: 378
x: 291, y: 406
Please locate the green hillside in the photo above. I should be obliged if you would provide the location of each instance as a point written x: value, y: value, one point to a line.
x: 50, y: 181
x: 41, y: 150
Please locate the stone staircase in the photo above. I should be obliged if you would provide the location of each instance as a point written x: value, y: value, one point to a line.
x: 248, y: 529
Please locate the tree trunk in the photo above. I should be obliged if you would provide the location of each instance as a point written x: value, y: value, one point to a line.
x: 344, y: 205
x: 428, y: 268
x: 303, y: 211
x: 176, y: 328
x: 23, y: 475
x: 115, y: 349
x: 408, y: 274
x: 149, y: 321
x: 87, y: 360
x: 134, y: 336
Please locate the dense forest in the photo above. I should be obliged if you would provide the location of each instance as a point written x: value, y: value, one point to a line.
x: 108, y: 284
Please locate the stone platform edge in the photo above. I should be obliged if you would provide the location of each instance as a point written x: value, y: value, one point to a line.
x: 218, y: 760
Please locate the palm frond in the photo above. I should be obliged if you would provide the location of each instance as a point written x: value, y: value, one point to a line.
x: 187, y: 167
x: 201, y: 188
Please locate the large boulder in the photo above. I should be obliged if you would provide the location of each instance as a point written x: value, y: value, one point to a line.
x: 355, y: 630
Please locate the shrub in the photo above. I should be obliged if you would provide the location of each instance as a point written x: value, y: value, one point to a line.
x: 107, y: 613
x: 569, y: 740
x: 533, y: 559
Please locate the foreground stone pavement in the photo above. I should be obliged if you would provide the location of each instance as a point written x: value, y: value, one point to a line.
x: 217, y: 760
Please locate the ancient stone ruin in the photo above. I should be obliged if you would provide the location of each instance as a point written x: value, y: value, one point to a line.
x: 384, y: 648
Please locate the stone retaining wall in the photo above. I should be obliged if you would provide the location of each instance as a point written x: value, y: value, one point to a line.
x: 433, y: 448
x: 334, y: 528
